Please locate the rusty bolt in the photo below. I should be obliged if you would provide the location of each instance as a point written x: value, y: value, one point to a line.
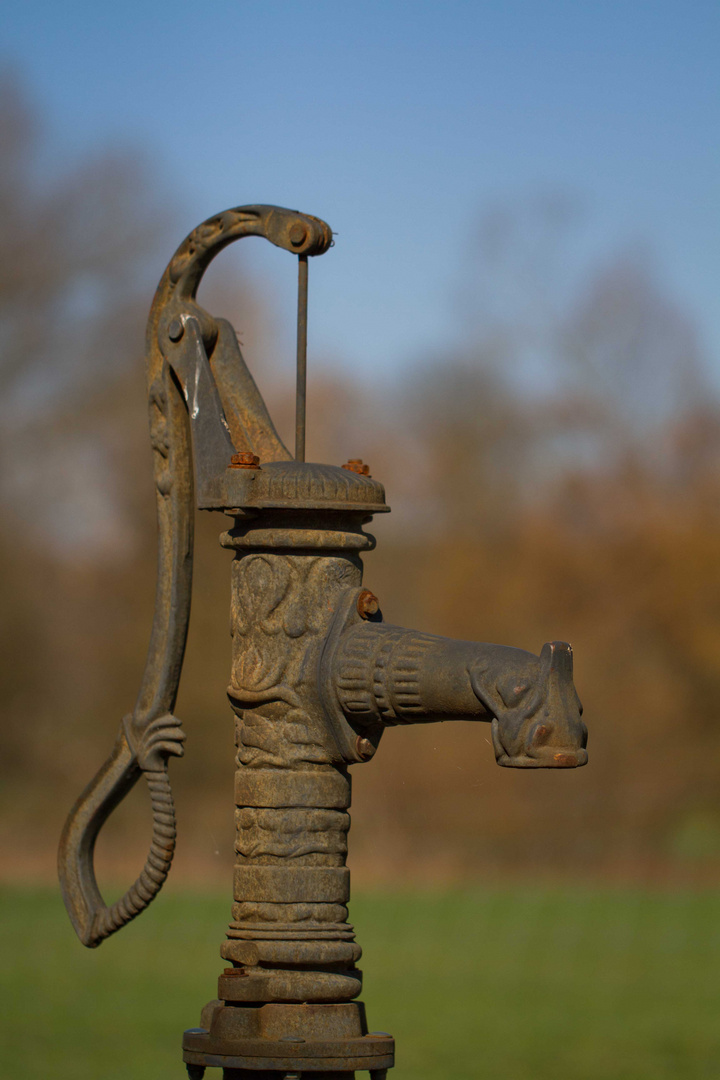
x: 364, y: 748
x: 356, y: 465
x: 245, y: 460
x: 367, y: 604
x: 297, y: 234
x: 176, y: 329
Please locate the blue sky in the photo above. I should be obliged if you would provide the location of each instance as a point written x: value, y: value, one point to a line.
x: 400, y: 123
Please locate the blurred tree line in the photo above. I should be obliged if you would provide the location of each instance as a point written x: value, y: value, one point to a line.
x: 555, y: 473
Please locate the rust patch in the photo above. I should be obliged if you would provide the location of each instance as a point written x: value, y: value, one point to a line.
x: 245, y: 460
x: 357, y: 465
x: 367, y: 604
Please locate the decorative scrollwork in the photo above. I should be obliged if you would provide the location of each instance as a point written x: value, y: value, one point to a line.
x: 278, y: 631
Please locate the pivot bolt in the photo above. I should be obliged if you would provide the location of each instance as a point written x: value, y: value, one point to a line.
x: 176, y: 329
x: 297, y: 234
x: 245, y: 460
x: 367, y: 604
x: 357, y: 465
x: 364, y: 748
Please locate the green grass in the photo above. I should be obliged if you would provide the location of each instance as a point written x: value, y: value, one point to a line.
x: 512, y: 984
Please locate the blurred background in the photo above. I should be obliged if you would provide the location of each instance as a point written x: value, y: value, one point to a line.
x: 518, y: 330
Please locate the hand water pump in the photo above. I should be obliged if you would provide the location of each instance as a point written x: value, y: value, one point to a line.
x: 317, y: 676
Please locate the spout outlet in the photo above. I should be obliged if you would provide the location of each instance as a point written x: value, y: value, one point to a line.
x: 536, y: 717
x: 385, y: 675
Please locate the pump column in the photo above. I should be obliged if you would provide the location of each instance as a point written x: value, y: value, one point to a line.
x: 289, y: 939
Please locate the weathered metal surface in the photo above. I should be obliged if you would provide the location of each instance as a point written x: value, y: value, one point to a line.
x: 316, y: 677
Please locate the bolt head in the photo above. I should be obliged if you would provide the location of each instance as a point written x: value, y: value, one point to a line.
x: 367, y: 604
x: 358, y: 466
x: 175, y: 329
x: 364, y: 748
x: 297, y: 234
x: 244, y: 460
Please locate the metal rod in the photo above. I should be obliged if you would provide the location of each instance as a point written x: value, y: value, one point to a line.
x: 301, y: 392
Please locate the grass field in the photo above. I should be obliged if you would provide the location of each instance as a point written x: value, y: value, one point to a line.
x: 476, y: 985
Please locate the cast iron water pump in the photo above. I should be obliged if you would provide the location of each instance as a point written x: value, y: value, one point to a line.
x: 317, y: 675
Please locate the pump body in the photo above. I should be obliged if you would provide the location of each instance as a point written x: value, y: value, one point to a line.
x: 316, y: 677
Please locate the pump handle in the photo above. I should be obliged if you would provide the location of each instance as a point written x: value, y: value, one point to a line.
x: 151, y: 734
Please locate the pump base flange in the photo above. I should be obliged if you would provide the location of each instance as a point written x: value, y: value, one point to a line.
x: 288, y: 1038
x: 370, y: 1053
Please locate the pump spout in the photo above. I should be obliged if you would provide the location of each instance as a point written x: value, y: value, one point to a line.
x: 384, y: 675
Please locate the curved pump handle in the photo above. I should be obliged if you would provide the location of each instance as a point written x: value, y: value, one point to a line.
x: 185, y: 346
